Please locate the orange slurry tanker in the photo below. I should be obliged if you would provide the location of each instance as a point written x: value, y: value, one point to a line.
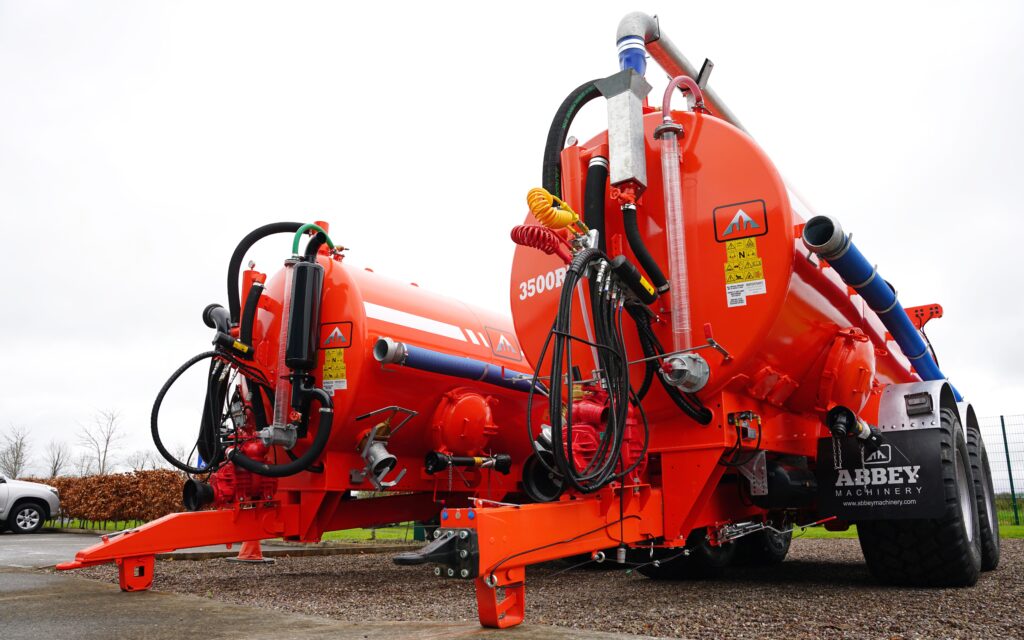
x: 327, y: 380
x: 695, y: 366
x: 715, y: 367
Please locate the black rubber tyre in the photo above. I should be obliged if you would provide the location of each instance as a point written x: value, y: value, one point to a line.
x: 27, y: 517
x: 704, y: 562
x: 765, y: 548
x: 988, y: 519
x: 942, y: 552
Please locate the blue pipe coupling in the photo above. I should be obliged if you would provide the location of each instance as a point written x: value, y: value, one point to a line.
x: 388, y: 351
x: 632, y: 54
x: 825, y: 237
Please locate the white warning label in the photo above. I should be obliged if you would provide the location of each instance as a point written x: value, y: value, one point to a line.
x: 736, y: 293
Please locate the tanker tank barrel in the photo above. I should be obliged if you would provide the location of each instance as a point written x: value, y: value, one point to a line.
x: 824, y: 237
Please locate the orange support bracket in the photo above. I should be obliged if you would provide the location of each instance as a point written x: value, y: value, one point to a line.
x: 511, y: 537
x: 134, y: 551
x: 922, y: 314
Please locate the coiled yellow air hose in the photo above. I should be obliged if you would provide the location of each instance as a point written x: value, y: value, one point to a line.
x: 551, y: 211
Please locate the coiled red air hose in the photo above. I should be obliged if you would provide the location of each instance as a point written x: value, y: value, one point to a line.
x: 541, y: 238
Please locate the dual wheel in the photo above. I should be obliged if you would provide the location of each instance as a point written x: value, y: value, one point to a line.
x: 951, y: 550
x: 948, y: 551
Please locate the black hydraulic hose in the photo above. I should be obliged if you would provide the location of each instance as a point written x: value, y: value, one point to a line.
x: 595, y: 197
x: 235, y: 265
x: 208, y: 444
x: 303, y: 462
x: 551, y: 177
x: 636, y: 244
x: 249, y: 313
x: 155, y: 416
x: 313, y: 246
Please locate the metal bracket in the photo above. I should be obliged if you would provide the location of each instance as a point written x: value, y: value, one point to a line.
x: 710, y: 343
x: 756, y: 471
x: 375, y: 436
x: 705, y: 73
x: 921, y: 315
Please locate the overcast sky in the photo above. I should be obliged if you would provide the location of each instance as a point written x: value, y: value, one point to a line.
x: 139, y: 141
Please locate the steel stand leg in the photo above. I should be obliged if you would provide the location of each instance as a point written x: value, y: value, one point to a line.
x: 136, y: 573
x: 510, y: 610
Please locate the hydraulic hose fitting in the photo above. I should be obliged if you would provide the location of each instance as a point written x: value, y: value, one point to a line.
x: 844, y: 423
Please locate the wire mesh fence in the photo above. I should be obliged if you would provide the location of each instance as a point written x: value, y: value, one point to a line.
x: 1004, y: 441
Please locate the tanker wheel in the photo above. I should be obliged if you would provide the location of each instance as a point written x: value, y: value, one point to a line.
x: 705, y: 561
x: 940, y: 552
x: 765, y: 548
x: 985, y: 497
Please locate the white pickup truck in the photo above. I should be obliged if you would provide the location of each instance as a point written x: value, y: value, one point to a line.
x: 24, y: 506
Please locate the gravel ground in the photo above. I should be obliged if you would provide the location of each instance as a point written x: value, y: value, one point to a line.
x: 823, y: 590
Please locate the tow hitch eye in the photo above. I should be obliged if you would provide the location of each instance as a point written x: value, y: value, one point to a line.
x: 455, y: 551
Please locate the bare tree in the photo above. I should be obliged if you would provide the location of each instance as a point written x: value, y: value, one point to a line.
x: 14, y: 452
x: 141, y: 460
x: 57, y: 457
x: 101, y: 439
x: 83, y: 464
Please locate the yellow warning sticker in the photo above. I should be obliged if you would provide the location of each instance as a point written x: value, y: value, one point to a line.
x: 744, y: 271
x: 334, y: 370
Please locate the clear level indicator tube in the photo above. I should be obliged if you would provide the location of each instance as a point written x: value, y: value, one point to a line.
x: 282, y: 387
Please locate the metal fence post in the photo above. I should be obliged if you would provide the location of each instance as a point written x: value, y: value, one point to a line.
x: 1009, y: 471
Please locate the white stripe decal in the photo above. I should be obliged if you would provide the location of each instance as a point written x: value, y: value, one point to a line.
x: 472, y: 338
x: 413, y: 321
x: 483, y: 339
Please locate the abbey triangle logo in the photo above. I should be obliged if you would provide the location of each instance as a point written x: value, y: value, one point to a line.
x: 740, y: 220
x: 504, y: 344
x: 336, y: 335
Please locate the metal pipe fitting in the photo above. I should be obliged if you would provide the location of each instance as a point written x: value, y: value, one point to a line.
x: 824, y: 236
x: 387, y: 351
x: 669, y: 58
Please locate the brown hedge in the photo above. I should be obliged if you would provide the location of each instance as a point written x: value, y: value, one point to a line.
x: 139, y: 495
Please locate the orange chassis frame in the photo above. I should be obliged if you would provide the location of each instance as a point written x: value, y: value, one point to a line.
x: 134, y: 551
x: 686, y: 494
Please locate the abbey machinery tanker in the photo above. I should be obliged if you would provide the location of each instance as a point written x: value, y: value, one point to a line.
x: 697, y: 367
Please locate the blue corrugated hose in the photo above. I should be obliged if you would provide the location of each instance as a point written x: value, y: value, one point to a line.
x: 856, y: 271
x: 459, y: 367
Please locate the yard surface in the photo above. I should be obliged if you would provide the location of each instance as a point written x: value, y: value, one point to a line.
x: 822, y: 590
